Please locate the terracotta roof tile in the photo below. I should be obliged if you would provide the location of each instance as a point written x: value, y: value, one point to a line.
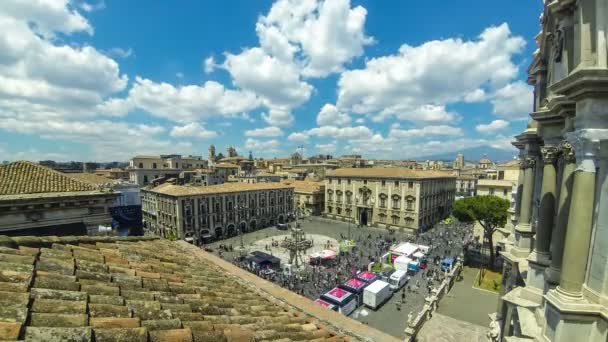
x: 305, y: 186
x: 184, y: 298
x: 23, y: 177
x: 180, y: 190
x: 388, y: 172
x: 91, y: 178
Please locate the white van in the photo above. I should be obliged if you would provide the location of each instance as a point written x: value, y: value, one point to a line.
x: 398, y: 279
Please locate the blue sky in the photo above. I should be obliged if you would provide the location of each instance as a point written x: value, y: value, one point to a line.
x: 105, y: 80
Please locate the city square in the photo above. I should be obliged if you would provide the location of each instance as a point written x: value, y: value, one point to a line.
x: 372, y: 243
x: 311, y: 171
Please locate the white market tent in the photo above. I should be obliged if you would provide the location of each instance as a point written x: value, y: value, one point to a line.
x: 406, y: 249
x: 424, y: 249
x: 402, y: 262
x: 418, y: 255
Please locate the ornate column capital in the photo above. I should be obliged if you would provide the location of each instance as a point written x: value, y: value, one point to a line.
x: 529, y: 162
x: 567, y: 152
x: 549, y: 154
x: 586, y: 143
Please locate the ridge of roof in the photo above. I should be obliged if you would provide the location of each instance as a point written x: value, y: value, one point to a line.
x: 90, y: 178
x: 181, y: 190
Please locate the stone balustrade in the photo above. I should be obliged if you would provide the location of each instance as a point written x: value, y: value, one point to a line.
x: 432, y: 302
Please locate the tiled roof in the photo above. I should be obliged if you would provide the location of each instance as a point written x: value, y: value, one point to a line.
x: 147, y: 157
x: 232, y: 159
x: 181, y: 190
x: 142, y: 289
x: 388, y: 172
x: 305, y: 186
x: 510, y: 164
x: 24, y: 177
x: 226, y: 165
x: 90, y: 178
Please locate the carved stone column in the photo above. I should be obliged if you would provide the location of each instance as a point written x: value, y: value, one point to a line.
x: 547, y: 201
x: 523, y: 229
x: 563, y: 210
x: 525, y: 213
x: 578, y: 233
x: 539, y: 260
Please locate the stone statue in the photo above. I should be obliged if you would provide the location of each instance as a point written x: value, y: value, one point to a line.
x: 410, y: 317
x: 558, y: 44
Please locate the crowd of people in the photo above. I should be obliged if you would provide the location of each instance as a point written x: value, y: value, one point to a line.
x: 444, y: 240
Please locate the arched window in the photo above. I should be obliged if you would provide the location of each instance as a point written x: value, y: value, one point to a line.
x: 410, y: 203
x: 382, y: 218
x: 396, y: 202
x: 383, y: 198
x: 395, y: 219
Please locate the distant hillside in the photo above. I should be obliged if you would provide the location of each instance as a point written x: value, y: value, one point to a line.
x: 474, y: 154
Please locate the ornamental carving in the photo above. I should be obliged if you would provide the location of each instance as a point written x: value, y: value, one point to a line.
x: 558, y: 44
x: 529, y: 162
x: 567, y: 152
x: 549, y: 154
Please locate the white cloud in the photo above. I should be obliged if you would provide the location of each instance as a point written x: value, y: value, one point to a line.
x: 298, y: 137
x: 115, y: 107
x: 428, y: 114
x: 323, y: 34
x: 360, y: 121
x: 359, y: 132
x: 190, y: 102
x: 109, y: 140
x: 476, y: 95
x: 262, y: 145
x: 46, y: 16
x: 92, y: 7
x: 276, y: 81
x: 120, y: 52
x: 492, y: 127
x: 41, y: 79
x: 513, y: 101
x: 441, y: 130
x: 192, y: 130
x: 435, y: 73
x: 330, y: 115
x: 278, y: 116
x: 326, y: 148
x: 270, y: 131
x: 209, y: 65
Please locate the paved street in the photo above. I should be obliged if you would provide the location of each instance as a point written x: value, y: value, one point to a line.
x: 373, y: 242
x: 458, y: 303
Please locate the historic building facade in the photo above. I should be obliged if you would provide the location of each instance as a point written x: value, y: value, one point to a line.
x: 36, y: 200
x: 309, y: 197
x: 195, y: 213
x: 144, y: 169
x: 466, y: 186
x: 556, y: 260
x: 389, y: 197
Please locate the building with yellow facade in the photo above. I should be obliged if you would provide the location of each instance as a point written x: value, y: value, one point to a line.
x: 389, y: 197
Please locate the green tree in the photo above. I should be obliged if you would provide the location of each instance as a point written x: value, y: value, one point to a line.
x: 489, y: 211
